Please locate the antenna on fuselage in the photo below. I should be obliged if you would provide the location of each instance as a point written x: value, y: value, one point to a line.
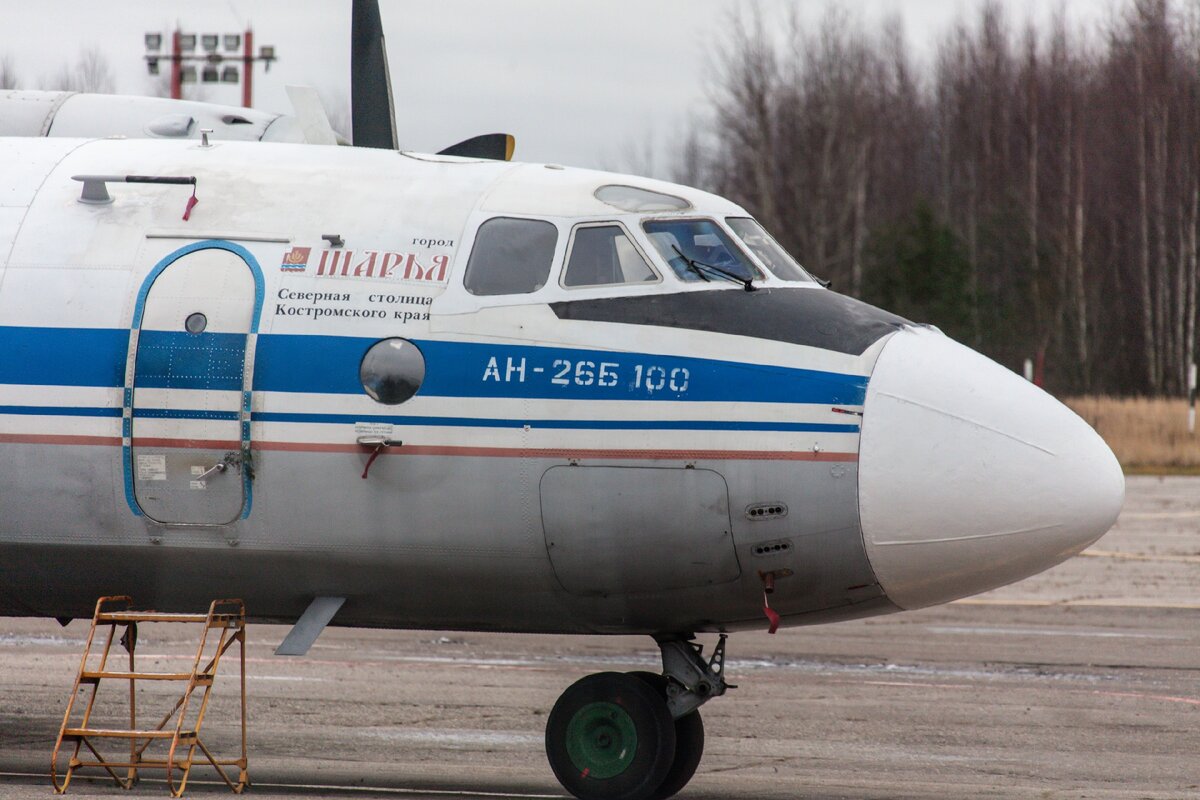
x: 373, y: 114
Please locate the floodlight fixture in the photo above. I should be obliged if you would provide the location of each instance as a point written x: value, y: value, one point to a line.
x: 187, y: 42
x: 209, y: 42
x: 233, y: 41
x: 154, y: 41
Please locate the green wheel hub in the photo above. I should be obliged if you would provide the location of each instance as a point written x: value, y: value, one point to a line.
x: 601, y: 740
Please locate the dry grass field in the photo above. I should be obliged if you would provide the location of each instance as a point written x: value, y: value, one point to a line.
x: 1149, y: 435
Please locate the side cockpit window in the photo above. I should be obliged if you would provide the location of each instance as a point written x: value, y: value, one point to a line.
x: 511, y: 256
x: 603, y: 255
x: 763, y: 245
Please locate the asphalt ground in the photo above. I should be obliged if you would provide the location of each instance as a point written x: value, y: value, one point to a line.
x: 1083, y: 682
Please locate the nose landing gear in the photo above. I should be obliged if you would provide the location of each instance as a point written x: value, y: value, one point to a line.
x: 610, y: 737
x: 636, y: 735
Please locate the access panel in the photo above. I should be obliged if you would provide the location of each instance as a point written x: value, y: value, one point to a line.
x: 624, y: 530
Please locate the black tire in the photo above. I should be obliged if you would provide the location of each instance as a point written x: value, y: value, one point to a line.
x: 689, y: 743
x: 689, y: 749
x: 610, y: 737
x: 655, y: 679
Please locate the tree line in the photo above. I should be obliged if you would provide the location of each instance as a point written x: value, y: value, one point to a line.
x: 1034, y: 192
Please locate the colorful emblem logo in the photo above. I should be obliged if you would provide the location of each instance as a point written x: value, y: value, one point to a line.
x: 295, y: 260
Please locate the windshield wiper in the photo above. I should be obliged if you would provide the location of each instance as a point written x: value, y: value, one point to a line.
x: 690, y: 264
x: 694, y: 265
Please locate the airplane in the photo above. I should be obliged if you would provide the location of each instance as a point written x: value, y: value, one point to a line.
x: 366, y: 387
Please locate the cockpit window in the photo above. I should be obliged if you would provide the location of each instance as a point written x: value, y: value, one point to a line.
x: 640, y: 201
x: 511, y: 256
x: 602, y: 255
x: 699, y: 250
x: 763, y: 245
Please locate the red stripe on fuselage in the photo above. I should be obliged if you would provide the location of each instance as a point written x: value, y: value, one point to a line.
x: 441, y: 450
x: 37, y: 438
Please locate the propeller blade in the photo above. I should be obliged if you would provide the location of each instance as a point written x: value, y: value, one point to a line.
x: 372, y: 113
x: 496, y: 146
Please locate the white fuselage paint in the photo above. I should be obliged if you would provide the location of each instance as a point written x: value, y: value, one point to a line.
x: 112, y: 420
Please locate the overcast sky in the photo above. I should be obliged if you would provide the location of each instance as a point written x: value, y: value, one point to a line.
x: 581, y: 83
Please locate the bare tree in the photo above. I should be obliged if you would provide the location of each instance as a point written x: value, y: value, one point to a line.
x: 8, y: 73
x: 1066, y: 169
x: 90, y: 73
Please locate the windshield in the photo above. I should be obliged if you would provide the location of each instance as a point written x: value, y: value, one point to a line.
x: 768, y: 250
x: 690, y: 245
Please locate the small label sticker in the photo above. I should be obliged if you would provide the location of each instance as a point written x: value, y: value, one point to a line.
x: 197, y: 484
x: 380, y: 429
x: 151, y: 468
x: 197, y: 470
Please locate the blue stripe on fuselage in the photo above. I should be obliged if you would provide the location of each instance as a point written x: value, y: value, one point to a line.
x: 181, y: 360
x: 442, y: 422
x: 330, y: 365
x: 61, y: 411
x: 63, y: 356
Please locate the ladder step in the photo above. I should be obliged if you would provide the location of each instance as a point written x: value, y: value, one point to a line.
x: 158, y: 616
x: 92, y: 676
x: 144, y: 763
x: 105, y: 733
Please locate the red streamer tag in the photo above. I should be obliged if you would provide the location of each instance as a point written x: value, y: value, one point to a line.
x: 772, y: 618
x: 374, y: 455
x: 191, y: 203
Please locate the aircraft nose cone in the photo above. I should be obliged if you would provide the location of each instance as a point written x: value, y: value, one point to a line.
x: 971, y: 477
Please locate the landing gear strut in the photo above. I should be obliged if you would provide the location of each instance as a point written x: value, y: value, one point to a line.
x: 635, y: 735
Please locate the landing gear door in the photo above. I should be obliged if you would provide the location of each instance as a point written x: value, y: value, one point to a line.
x: 188, y: 394
x: 626, y: 530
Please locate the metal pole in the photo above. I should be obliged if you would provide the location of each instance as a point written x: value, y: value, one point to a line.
x: 176, y: 67
x: 248, y: 69
x: 1192, y: 398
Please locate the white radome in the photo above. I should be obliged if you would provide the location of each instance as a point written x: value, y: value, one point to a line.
x: 970, y: 477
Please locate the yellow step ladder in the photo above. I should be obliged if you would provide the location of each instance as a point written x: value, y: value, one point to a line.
x: 181, y: 736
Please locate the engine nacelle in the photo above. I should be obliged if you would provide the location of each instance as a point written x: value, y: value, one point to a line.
x: 72, y: 114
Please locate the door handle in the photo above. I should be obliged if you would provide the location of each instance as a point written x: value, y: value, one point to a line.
x: 220, y: 466
x: 230, y: 460
x: 377, y: 444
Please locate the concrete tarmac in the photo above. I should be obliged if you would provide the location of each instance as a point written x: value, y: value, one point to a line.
x: 1083, y: 682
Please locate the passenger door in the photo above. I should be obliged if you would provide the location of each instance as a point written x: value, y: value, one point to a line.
x: 188, y: 398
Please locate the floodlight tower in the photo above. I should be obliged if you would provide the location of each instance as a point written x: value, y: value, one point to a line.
x: 218, y: 65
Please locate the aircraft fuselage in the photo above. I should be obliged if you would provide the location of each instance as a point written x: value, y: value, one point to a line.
x: 185, y: 413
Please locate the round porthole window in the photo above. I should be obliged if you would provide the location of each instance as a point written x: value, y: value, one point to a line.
x: 195, y: 323
x: 392, y: 371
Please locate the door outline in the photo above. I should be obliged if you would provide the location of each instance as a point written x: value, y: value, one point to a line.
x: 247, y: 374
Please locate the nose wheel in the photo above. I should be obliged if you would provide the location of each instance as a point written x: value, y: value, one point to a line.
x: 689, y: 742
x: 637, y: 735
x: 610, y: 737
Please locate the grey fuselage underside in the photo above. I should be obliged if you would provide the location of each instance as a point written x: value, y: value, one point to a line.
x: 455, y: 543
